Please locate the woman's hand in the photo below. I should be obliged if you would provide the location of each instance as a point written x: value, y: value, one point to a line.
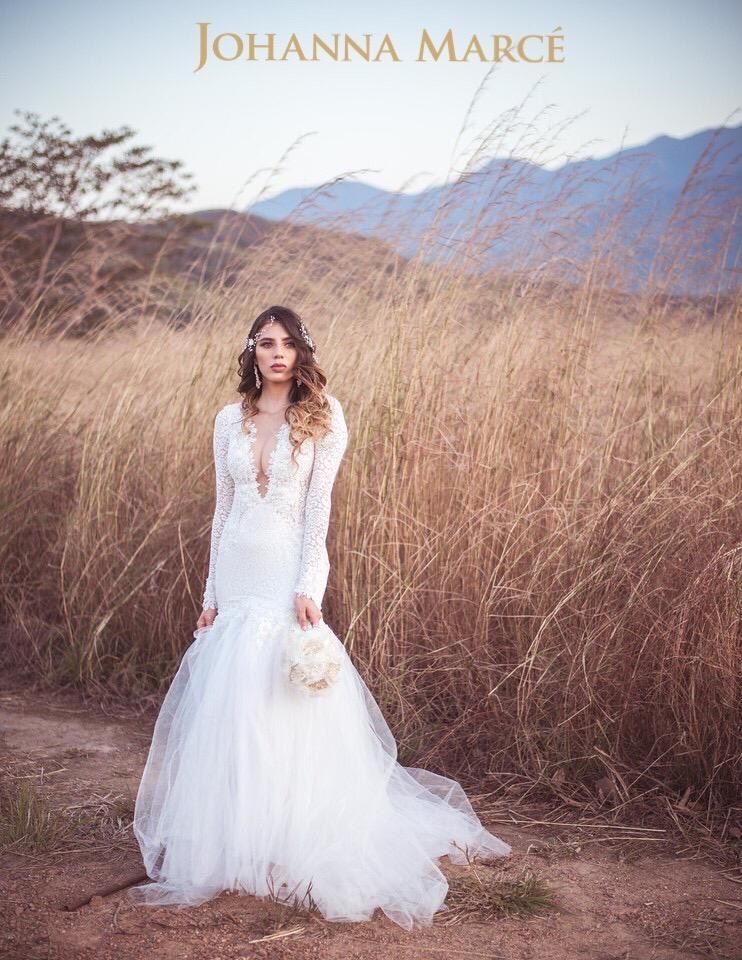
x: 307, y: 611
x: 207, y: 618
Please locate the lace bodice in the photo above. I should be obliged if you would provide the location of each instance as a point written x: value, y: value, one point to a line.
x: 299, y: 493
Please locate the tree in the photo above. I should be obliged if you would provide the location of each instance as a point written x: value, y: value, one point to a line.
x: 45, y: 170
x: 69, y: 210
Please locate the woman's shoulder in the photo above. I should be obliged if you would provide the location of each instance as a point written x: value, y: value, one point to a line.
x: 229, y: 413
x: 338, y: 423
x: 336, y: 411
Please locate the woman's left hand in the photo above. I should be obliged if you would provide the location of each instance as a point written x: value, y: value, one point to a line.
x: 307, y: 611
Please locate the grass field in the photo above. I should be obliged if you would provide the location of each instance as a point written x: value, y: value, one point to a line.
x: 536, y: 540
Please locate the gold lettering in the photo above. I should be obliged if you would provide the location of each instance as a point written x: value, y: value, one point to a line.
x: 239, y: 46
x: 425, y: 41
x: 499, y: 38
x: 203, y: 44
x: 252, y: 46
x: 521, y: 48
x: 474, y: 45
x: 293, y: 46
x: 387, y: 42
x: 552, y: 41
x: 349, y: 41
x: 231, y: 46
x: 319, y: 42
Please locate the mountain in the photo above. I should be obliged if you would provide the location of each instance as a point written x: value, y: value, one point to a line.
x: 667, y: 212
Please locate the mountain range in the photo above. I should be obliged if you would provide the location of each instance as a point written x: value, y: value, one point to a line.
x: 666, y: 213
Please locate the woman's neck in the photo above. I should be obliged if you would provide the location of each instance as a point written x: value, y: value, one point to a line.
x: 274, y: 397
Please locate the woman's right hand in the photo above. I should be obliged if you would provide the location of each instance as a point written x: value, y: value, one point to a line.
x: 207, y: 618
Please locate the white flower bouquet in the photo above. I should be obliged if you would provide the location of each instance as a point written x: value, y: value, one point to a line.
x: 312, y: 658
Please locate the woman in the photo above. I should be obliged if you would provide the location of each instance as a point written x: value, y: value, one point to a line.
x: 251, y: 784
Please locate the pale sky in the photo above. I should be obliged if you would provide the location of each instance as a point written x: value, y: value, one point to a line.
x: 632, y: 71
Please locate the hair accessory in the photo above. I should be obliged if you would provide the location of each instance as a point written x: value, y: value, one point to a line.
x: 305, y: 334
x: 251, y: 341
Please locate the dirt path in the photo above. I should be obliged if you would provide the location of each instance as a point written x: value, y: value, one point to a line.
x: 630, y: 899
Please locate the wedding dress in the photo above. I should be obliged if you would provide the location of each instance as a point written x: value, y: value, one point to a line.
x: 252, y: 786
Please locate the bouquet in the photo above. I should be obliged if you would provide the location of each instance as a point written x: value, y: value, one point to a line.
x: 312, y: 658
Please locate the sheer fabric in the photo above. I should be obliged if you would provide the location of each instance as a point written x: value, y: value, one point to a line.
x: 251, y: 785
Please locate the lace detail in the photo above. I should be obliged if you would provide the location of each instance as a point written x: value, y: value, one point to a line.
x: 328, y: 453
x: 270, y: 545
x: 224, y: 500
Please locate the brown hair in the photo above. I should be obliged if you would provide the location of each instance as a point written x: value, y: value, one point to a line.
x: 309, y: 413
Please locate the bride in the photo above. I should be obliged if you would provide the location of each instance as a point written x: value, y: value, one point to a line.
x: 271, y: 769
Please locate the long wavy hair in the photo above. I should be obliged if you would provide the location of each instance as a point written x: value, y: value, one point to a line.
x: 309, y: 413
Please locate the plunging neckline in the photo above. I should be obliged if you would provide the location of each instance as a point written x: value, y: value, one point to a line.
x: 251, y: 435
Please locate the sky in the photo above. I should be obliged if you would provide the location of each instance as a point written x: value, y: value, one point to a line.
x: 632, y: 71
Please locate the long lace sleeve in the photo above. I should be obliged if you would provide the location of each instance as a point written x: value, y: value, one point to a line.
x: 315, y: 563
x: 224, y: 498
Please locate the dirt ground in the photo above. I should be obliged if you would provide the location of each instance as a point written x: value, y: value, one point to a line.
x: 634, y: 895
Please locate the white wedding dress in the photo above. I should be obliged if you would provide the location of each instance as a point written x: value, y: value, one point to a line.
x: 250, y: 784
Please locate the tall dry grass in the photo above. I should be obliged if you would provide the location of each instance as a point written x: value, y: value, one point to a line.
x: 536, y: 533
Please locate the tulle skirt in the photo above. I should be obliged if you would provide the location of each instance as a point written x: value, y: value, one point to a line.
x: 253, y: 786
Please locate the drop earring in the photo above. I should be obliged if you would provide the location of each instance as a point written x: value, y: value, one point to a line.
x: 257, y: 375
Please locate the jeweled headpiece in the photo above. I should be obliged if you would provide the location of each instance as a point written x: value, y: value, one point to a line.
x: 251, y: 341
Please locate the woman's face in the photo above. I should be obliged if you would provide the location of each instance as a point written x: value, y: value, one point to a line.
x: 275, y: 352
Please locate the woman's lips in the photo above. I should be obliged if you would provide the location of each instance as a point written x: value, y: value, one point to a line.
x: 278, y: 366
